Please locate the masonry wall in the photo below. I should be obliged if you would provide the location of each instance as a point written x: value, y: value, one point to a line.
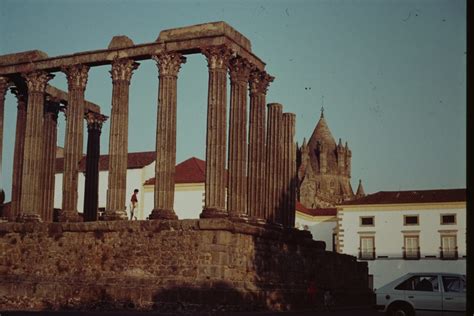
x: 211, y: 264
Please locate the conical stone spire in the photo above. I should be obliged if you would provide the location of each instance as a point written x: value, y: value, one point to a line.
x: 360, y: 190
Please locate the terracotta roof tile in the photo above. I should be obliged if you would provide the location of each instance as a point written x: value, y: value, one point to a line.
x: 192, y: 170
x: 134, y: 161
x: 316, y: 211
x: 416, y: 196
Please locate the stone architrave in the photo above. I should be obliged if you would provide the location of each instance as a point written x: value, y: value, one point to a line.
x: 259, y: 82
x: 33, y: 151
x: 49, y: 159
x: 77, y: 81
x: 91, y: 186
x: 288, y: 169
x: 122, y: 70
x: 18, y: 151
x: 273, y: 163
x: 215, y: 187
x: 168, y: 67
x: 4, y: 84
x: 239, y: 69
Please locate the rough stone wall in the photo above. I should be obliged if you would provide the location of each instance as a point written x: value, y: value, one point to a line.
x: 185, y: 265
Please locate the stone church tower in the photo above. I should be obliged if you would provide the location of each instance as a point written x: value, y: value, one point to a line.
x: 324, y: 169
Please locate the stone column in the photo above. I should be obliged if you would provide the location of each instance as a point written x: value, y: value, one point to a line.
x: 237, y: 159
x: 168, y: 67
x: 18, y: 151
x: 122, y: 70
x: 259, y: 82
x: 49, y: 159
x: 91, y: 187
x: 288, y: 170
x: 77, y: 80
x: 217, y: 59
x: 4, y: 84
x: 33, y: 150
x: 273, y: 163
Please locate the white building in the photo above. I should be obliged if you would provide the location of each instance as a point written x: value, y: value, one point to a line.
x: 321, y: 222
x: 140, y: 167
x: 189, y: 189
x: 405, y: 231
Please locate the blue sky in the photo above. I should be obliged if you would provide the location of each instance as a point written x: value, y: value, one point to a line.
x: 392, y: 73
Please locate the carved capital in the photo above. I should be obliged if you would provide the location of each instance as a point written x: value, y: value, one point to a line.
x: 95, y: 120
x: 21, y: 95
x: 51, y: 108
x: 76, y: 76
x: 239, y: 69
x: 259, y: 81
x: 4, y: 84
x: 169, y: 63
x: 37, y: 81
x: 217, y: 57
x: 122, y: 69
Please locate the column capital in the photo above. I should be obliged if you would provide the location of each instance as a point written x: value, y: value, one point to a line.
x: 239, y: 69
x: 4, y: 84
x: 217, y: 56
x: 94, y: 120
x: 20, y: 94
x: 169, y: 63
x: 37, y: 80
x: 52, y: 107
x: 259, y: 81
x: 76, y: 76
x: 122, y: 69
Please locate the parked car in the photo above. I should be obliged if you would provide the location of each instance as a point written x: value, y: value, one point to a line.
x: 424, y: 293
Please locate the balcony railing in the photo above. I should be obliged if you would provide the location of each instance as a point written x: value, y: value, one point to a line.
x: 449, y: 254
x: 411, y: 254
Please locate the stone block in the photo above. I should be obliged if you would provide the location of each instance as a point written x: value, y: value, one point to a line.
x: 210, y: 30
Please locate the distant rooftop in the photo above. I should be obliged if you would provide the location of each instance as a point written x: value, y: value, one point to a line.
x: 415, y: 196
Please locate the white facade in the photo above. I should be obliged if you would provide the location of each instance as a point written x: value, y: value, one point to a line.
x: 188, y: 200
x: 135, y: 180
x: 321, y: 227
x: 401, y: 245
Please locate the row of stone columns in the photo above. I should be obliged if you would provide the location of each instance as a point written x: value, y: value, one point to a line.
x: 32, y: 197
x: 261, y: 193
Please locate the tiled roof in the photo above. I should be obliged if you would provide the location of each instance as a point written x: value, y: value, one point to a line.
x: 192, y: 170
x: 316, y: 211
x: 134, y: 161
x: 417, y: 196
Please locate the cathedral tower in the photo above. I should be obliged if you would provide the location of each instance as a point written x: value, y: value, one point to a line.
x: 324, y: 169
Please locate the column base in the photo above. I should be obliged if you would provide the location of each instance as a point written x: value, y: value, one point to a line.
x: 115, y: 216
x: 162, y: 214
x: 28, y: 218
x: 236, y: 217
x: 257, y: 221
x: 69, y: 216
x: 213, y: 213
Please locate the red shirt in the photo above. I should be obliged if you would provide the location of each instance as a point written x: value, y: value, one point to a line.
x: 134, y: 198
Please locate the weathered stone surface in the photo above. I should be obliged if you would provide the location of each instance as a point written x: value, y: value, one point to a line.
x: 22, y: 57
x: 168, y: 67
x: 204, y: 30
x: 120, y: 41
x: 189, y: 265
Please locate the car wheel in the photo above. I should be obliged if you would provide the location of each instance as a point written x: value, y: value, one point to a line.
x: 400, y: 310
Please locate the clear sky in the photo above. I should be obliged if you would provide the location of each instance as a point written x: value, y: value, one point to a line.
x: 392, y: 73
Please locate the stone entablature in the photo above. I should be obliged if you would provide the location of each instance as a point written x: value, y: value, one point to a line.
x: 169, y: 265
